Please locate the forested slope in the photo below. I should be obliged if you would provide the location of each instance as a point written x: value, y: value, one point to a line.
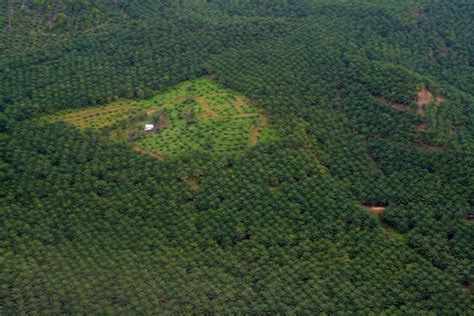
x: 373, y: 104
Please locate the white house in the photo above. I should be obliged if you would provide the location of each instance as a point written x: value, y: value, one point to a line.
x: 148, y: 127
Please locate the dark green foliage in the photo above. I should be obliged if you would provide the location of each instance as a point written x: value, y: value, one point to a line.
x: 90, y: 226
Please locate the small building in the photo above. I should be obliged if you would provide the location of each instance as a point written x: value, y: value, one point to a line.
x: 148, y: 127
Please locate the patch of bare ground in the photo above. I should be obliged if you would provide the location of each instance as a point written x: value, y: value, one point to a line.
x: 162, y: 122
x: 150, y: 112
x: 439, y: 99
x: 418, y: 13
x: 255, y: 132
x: 208, y: 112
x: 375, y: 209
x: 196, y: 186
x: 422, y: 127
x: 395, y: 105
x: 150, y: 153
x: 469, y: 217
x: 424, y: 97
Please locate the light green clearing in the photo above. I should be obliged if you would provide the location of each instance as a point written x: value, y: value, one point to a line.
x: 393, y: 233
x: 193, y: 117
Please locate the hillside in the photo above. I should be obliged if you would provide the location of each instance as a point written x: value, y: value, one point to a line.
x: 306, y: 157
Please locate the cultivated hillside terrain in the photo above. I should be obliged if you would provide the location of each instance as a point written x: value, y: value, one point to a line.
x: 306, y: 157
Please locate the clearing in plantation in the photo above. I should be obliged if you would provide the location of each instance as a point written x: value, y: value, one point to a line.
x: 193, y: 117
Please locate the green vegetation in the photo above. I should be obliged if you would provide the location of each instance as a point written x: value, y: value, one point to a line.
x: 372, y: 103
x: 97, y: 118
x: 194, y: 117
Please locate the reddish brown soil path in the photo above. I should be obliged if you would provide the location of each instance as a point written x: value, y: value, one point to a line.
x: 150, y: 153
x: 424, y: 97
x: 113, y: 111
x: 111, y: 108
x: 244, y: 115
x: 375, y: 209
x: 255, y: 132
x: 418, y: 13
x: 422, y: 127
x: 162, y: 122
x: 394, y: 105
x: 208, y: 112
x: 150, y: 112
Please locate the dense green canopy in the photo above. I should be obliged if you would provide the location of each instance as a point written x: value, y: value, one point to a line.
x: 373, y: 103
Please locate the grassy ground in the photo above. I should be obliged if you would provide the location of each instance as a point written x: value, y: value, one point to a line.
x: 393, y: 233
x: 192, y: 117
x: 98, y: 117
